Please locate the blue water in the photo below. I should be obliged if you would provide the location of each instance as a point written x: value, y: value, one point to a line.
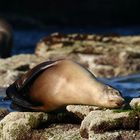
x: 25, y: 42
x: 129, y: 85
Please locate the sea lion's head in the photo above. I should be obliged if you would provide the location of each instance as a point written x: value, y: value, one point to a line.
x: 111, y: 98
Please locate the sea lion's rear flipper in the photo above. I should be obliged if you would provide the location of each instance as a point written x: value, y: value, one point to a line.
x: 13, y: 94
x: 18, y: 92
x: 20, y: 102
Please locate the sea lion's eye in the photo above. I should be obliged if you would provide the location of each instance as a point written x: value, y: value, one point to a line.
x: 117, y: 93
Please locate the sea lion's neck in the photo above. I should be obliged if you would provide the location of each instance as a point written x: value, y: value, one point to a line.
x: 90, y: 93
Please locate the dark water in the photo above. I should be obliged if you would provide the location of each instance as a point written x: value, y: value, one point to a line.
x: 25, y: 41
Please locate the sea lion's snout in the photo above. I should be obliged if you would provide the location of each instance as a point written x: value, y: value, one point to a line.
x: 116, y: 102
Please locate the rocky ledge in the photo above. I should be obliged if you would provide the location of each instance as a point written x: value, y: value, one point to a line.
x: 97, y: 124
x: 106, y: 57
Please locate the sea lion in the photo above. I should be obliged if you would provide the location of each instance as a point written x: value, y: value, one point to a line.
x: 6, y: 39
x: 54, y: 84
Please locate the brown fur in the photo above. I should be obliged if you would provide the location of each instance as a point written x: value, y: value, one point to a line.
x: 67, y: 82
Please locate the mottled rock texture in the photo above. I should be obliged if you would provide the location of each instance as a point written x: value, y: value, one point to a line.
x: 135, y: 103
x: 18, y: 125
x: 101, y: 121
x: 98, y: 125
x: 104, y: 55
x: 13, y: 67
x: 81, y: 110
x: 3, y: 113
x: 37, y: 125
x: 58, y: 132
x: 116, y: 135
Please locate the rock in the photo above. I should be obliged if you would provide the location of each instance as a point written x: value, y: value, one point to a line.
x: 71, y: 131
x: 81, y: 110
x: 23, y: 125
x: 135, y: 104
x: 116, y: 135
x: 101, y: 121
x: 13, y: 67
x: 58, y: 132
x: 3, y: 113
x: 18, y: 125
x: 8, y: 77
x: 22, y: 62
x: 105, y: 56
